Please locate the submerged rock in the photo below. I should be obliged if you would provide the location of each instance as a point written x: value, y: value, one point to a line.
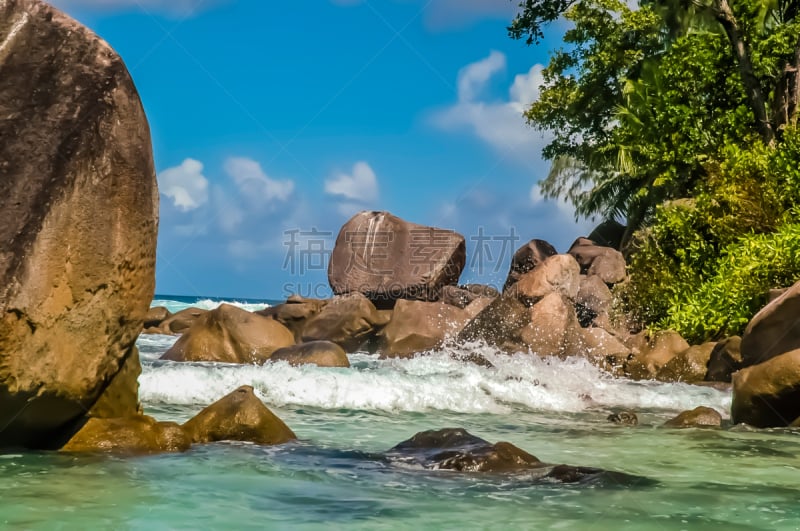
x: 624, y: 418
x: 699, y: 417
x: 238, y: 416
x: 768, y: 394
x: 155, y: 316
x: 137, y: 434
x: 179, y: 322
x: 231, y: 335
x: 319, y: 353
x: 774, y: 330
x: 457, y: 450
x: 78, y: 220
x: 387, y: 258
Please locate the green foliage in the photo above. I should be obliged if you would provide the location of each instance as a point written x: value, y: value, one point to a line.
x: 704, y: 265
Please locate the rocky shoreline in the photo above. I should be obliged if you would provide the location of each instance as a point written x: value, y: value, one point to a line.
x: 77, y: 263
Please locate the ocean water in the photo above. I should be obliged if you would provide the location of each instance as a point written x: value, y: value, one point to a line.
x: 335, y: 476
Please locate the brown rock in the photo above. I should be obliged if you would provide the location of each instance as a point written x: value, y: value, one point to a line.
x: 725, y: 359
x: 651, y: 351
x: 387, y: 258
x: 768, y: 394
x: 319, y: 353
x: 231, y: 335
x: 624, y: 418
x: 155, y: 316
x: 774, y: 330
x: 181, y: 321
x: 121, y: 396
x: 604, y: 262
x: 593, y: 299
x: 699, y: 417
x: 294, y: 313
x: 527, y: 258
x: 137, y: 434
x: 347, y: 320
x: 78, y: 220
x: 553, y: 329
x: 689, y: 366
x: 557, y: 274
x: 609, y: 233
x: 238, y: 416
x: 603, y: 349
x: 498, y: 323
x: 463, y: 296
x: 418, y: 326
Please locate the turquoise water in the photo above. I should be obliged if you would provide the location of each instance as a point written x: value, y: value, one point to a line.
x: 336, y: 475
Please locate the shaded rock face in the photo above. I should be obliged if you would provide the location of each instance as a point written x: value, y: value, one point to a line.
x: 348, y: 321
x: 137, y: 434
x: 319, y: 353
x: 596, y: 260
x: 78, y: 220
x: 418, y: 326
x: 294, y: 313
x: 609, y: 233
x: 725, y: 359
x: 774, y: 330
x: 498, y: 324
x: 121, y: 397
x: 688, y: 366
x: 768, y: 394
x: 462, y: 296
x: 238, y: 416
x: 155, y: 316
x: 527, y: 258
x: 231, y: 335
x: 559, y: 273
x: 387, y: 258
x: 699, y: 417
x: 653, y: 351
x: 177, y: 323
x: 592, y: 300
x: 458, y: 450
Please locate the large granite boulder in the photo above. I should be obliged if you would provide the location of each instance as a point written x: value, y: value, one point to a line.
x: 593, y: 300
x: 651, y: 352
x: 177, y: 323
x: 294, y: 313
x: 238, y: 416
x: 155, y: 316
x: 387, y: 258
x: 231, y: 335
x: 78, y: 220
x: 604, y: 262
x: 527, y: 258
x: 457, y: 450
x: 553, y: 329
x: 689, y: 366
x: 559, y: 273
x: 348, y: 320
x: 768, y: 394
x: 498, y: 324
x: 774, y: 330
x: 319, y: 353
x: 138, y: 434
x: 418, y: 326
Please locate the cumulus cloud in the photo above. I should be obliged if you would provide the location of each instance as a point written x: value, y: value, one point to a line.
x: 360, y: 185
x: 183, y: 8
x: 185, y: 185
x: 254, y: 184
x: 500, y: 124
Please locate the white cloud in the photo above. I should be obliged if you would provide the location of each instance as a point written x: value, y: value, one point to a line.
x: 185, y: 185
x: 499, y: 124
x: 360, y: 186
x: 254, y: 184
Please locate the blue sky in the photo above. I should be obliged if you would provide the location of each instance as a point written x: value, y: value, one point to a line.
x: 274, y: 121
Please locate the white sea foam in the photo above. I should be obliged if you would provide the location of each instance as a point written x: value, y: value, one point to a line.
x: 435, y: 381
x: 206, y: 304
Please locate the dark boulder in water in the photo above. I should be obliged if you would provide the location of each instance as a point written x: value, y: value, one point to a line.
x: 347, y: 320
x: 155, y: 316
x: 138, y: 434
x: 418, y: 326
x: 387, y: 258
x: 294, y: 313
x: 179, y: 322
x: 238, y: 416
x: 768, y: 394
x: 231, y: 335
x: 725, y: 359
x: 458, y: 450
x: 623, y: 418
x: 78, y: 221
x: 319, y: 353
